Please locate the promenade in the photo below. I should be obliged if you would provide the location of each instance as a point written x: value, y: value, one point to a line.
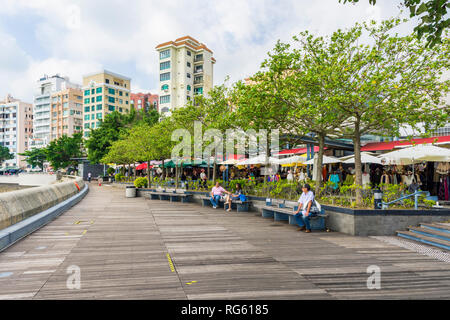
x: 135, y: 248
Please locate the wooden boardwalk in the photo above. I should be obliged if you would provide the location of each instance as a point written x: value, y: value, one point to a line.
x: 150, y: 249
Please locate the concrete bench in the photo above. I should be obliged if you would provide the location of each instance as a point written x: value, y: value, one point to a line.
x: 288, y: 214
x: 241, y: 206
x: 171, y: 196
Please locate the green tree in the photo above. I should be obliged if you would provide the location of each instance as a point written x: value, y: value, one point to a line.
x: 35, y: 157
x: 433, y: 15
x: 60, y: 152
x: 101, y: 139
x: 5, y: 154
x: 289, y: 93
x: 391, y: 82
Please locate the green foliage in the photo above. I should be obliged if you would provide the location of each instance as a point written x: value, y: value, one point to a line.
x: 141, y: 182
x: 61, y: 151
x: 432, y: 13
x: 35, y: 157
x: 119, y: 177
x: 110, y: 171
x: 5, y: 154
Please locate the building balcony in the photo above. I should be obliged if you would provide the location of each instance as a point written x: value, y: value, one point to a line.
x: 198, y: 71
x: 200, y: 59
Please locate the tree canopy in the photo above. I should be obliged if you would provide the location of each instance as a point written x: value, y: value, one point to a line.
x: 433, y: 15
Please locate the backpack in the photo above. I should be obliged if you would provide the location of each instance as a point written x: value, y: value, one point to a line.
x: 242, y: 197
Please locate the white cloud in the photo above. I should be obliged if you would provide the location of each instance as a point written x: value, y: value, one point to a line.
x: 82, y: 36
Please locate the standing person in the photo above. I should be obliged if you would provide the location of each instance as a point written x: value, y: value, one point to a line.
x: 290, y: 176
x: 183, y: 179
x: 203, y: 178
x: 305, y: 203
x: 89, y: 177
x: 216, y: 193
x: 235, y: 196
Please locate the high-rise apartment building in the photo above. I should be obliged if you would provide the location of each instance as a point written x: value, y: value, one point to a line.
x: 16, y: 128
x: 66, y: 113
x: 42, y: 107
x: 103, y: 93
x: 144, y: 101
x: 186, y: 69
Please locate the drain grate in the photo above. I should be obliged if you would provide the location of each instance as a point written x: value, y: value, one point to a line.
x: 422, y: 249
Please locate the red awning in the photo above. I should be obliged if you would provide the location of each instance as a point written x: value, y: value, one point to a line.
x: 390, y: 145
x: 297, y: 151
x: 142, y: 166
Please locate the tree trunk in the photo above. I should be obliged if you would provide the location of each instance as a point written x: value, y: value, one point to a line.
x: 214, y: 171
x: 134, y: 169
x: 176, y: 175
x: 321, y: 138
x: 148, y: 174
x: 358, y: 165
x: 163, y: 171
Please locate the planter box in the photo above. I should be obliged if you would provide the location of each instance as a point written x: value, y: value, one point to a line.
x: 380, y: 222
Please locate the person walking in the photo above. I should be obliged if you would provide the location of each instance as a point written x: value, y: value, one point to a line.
x: 305, y: 203
x: 216, y: 193
x: 89, y: 177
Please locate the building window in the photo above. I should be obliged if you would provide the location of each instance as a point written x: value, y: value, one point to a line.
x: 86, y: 125
x: 99, y: 115
x: 164, y: 99
x: 120, y: 93
x: 164, y: 54
x: 188, y: 75
x: 93, y: 91
x: 86, y: 100
x: 111, y: 108
x: 188, y: 98
x: 164, y: 65
x: 188, y: 53
x: 188, y: 64
x: 92, y: 100
x: 164, y: 76
x: 111, y: 91
x: 86, y: 109
x: 93, y: 108
x: 86, y: 117
x: 98, y: 90
x: 99, y: 107
x: 120, y: 110
x: 111, y: 99
x: 164, y: 87
x: 87, y: 92
x: 92, y: 116
x: 188, y: 87
x: 198, y: 90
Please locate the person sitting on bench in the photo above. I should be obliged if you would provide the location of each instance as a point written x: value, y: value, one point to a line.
x: 216, y: 193
x: 236, y: 196
x: 305, y: 203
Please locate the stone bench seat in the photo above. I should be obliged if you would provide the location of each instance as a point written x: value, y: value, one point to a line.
x: 288, y: 214
x: 172, y: 196
x: 241, y: 206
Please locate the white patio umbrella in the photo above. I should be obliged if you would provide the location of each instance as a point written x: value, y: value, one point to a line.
x: 326, y: 160
x: 421, y: 152
x: 230, y: 162
x: 365, y: 158
x: 261, y: 159
x: 293, y: 159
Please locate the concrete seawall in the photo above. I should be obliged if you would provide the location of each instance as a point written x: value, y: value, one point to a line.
x: 18, y: 205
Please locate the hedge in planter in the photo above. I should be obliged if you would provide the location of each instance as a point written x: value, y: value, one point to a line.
x: 141, y: 182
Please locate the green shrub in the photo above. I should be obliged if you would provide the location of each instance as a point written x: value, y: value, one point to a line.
x: 119, y: 177
x: 141, y: 182
x: 110, y: 171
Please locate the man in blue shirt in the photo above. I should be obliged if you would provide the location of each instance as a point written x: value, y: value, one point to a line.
x: 304, y: 204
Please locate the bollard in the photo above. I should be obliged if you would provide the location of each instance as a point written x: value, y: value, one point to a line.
x: 377, y: 199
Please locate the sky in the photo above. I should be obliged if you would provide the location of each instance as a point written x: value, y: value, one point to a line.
x: 73, y: 38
